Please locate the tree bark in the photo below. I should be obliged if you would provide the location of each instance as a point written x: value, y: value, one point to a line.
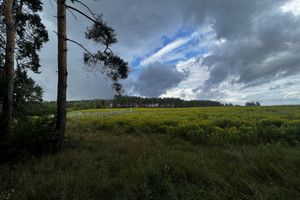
x: 9, y: 70
x: 62, y: 72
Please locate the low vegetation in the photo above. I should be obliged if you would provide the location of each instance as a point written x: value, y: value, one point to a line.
x: 191, y: 153
x: 208, y: 126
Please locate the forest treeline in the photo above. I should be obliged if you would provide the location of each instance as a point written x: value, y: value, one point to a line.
x: 49, y: 107
x: 153, y: 102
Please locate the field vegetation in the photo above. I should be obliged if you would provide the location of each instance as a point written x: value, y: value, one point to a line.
x: 160, y: 153
x: 242, y: 125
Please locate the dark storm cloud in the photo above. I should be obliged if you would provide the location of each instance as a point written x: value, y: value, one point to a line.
x: 269, y: 50
x: 157, y: 78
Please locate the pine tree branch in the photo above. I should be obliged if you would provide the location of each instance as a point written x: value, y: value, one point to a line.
x: 72, y: 13
x: 19, y: 12
x: 82, y: 13
x: 20, y: 8
x: 80, y: 45
x: 84, y: 5
x: 85, y: 49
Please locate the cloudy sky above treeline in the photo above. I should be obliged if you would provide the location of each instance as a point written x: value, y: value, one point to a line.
x: 232, y: 51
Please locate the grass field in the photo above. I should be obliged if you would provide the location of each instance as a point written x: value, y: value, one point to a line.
x: 187, y: 153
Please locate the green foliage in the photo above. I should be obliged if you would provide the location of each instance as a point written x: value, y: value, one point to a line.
x: 191, y: 153
x: 106, y: 166
x: 105, y: 60
x: 88, y: 104
x: 26, y: 94
x: 120, y: 101
x: 252, y: 104
x: 31, y: 35
x: 219, y: 126
x: 33, y: 137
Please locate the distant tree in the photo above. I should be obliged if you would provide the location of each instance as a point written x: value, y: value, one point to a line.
x: 26, y: 92
x: 104, y: 59
x: 133, y: 101
x: 249, y: 104
x: 252, y: 104
x: 22, y: 35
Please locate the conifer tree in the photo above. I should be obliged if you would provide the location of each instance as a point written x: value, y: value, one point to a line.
x: 104, y: 59
x: 22, y: 35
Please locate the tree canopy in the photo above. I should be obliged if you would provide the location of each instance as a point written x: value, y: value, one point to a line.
x: 22, y: 35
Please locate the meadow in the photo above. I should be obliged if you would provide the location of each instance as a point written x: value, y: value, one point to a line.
x: 174, y: 153
x: 208, y: 126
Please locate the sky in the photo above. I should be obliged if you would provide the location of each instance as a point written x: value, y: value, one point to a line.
x: 232, y: 51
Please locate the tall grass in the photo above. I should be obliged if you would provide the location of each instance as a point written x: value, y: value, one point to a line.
x: 201, y: 125
x: 105, y: 164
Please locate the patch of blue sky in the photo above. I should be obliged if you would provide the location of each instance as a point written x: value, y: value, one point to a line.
x: 204, y: 50
x: 189, y: 55
x: 175, y: 61
x: 190, y: 44
x: 137, y: 62
x: 192, y: 54
x: 135, y: 73
x: 193, y: 42
x: 183, y: 32
x: 185, y: 57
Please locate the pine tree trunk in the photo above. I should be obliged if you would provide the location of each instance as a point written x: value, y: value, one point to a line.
x: 62, y: 72
x: 9, y: 70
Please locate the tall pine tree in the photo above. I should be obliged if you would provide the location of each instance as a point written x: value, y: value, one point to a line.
x: 24, y: 34
x: 104, y: 59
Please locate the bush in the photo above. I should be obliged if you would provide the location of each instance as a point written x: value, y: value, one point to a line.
x: 32, y: 137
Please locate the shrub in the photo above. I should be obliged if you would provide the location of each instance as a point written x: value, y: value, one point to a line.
x: 32, y: 137
x: 227, y: 122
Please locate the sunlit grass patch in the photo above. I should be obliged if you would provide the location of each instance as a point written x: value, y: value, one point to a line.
x: 241, y: 125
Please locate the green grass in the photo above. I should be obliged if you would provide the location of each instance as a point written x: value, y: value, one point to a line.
x: 106, y: 164
x: 216, y: 126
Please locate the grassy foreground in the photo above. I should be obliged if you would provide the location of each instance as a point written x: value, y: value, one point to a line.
x: 116, y: 164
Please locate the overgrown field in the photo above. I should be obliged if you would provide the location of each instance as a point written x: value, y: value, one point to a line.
x: 193, y: 153
x: 242, y: 125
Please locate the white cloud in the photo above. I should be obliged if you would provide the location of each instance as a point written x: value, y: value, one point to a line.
x: 197, y: 75
x: 167, y: 49
x: 292, y: 6
x: 169, y: 53
x: 186, y: 94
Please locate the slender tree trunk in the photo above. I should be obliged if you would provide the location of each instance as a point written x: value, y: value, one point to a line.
x: 9, y: 70
x: 62, y: 71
